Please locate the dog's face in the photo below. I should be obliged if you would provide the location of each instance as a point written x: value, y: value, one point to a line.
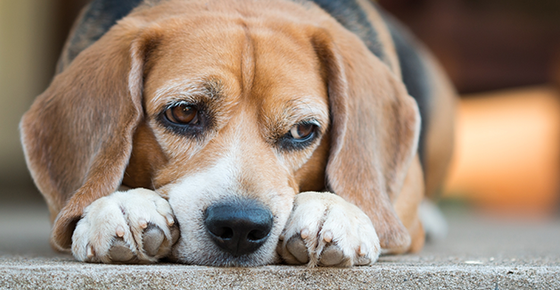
x: 224, y: 107
x: 236, y: 126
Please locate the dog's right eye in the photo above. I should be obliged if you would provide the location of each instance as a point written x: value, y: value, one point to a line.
x: 183, y: 114
x: 186, y: 118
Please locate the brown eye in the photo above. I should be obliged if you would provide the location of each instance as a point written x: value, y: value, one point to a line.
x: 302, y: 131
x: 182, y: 114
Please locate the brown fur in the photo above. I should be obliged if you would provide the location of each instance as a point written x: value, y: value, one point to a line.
x: 95, y: 125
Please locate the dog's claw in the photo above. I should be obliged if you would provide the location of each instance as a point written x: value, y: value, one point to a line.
x: 90, y: 252
x: 328, y: 236
x: 143, y: 223
x: 170, y: 220
x: 120, y: 231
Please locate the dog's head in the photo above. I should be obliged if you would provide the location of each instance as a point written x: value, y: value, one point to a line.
x: 228, y: 110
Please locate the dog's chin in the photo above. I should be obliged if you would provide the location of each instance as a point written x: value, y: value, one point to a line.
x: 205, y: 253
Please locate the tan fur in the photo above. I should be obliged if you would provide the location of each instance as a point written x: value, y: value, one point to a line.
x: 368, y: 163
x: 72, y: 156
x: 406, y: 204
x: 273, y: 63
x: 145, y: 160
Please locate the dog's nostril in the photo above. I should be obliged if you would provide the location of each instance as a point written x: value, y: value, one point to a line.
x: 224, y: 233
x: 239, y: 227
x: 256, y: 235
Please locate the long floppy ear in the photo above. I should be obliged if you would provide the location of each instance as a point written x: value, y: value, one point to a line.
x: 375, y: 129
x: 77, y: 135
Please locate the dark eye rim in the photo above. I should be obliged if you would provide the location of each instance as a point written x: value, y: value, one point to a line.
x: 289, y: 143
x: 195, y: 130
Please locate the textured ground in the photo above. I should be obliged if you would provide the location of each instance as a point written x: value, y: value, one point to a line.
x: 479, y: 253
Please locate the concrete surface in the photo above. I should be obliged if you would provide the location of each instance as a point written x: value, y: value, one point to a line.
x: 479, y: 253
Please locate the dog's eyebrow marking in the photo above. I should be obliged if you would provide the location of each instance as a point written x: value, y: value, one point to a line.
x: 214, y: 87
x: 297, y: 110
x: 211, y: 88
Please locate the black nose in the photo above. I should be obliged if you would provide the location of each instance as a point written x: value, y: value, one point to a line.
x: 239, y: 227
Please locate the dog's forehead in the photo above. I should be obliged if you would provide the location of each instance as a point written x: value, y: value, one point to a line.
x: 236, y: 60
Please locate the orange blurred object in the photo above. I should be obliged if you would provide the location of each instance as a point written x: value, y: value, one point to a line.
x: 507, y: 154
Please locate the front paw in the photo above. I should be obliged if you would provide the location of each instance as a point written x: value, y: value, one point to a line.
x: 134, y: 226
x: 324, y: 229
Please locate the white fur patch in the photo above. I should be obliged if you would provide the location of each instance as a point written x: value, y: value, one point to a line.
x: 220, y: 181
x: 125, y: 213
x: 177, y: 88
x: 325, y: 220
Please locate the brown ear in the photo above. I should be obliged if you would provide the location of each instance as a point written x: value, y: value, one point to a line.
x: 77, y: 135
x: 375, y: 128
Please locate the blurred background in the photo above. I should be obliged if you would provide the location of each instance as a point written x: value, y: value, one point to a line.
x: 502, y: 55
x: 504, y: 58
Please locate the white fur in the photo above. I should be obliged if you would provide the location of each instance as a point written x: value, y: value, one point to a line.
x: 220, y: 182
x: 179, y: 88
x: 325, y: 216
x: 125, y: 210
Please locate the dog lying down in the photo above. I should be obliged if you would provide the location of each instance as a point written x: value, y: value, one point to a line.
x: 240, y: 133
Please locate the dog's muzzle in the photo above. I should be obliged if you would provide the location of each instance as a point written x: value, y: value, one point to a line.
x: 239, y: 226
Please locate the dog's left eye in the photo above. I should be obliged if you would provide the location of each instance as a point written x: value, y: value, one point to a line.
x: 182, y: 114
x: 302, y: 131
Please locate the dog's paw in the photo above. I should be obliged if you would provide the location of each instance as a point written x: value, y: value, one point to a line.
x: 134, y: 226
x: 324, y: 229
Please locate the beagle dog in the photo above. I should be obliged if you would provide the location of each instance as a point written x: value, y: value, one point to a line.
x: 239, y: 133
